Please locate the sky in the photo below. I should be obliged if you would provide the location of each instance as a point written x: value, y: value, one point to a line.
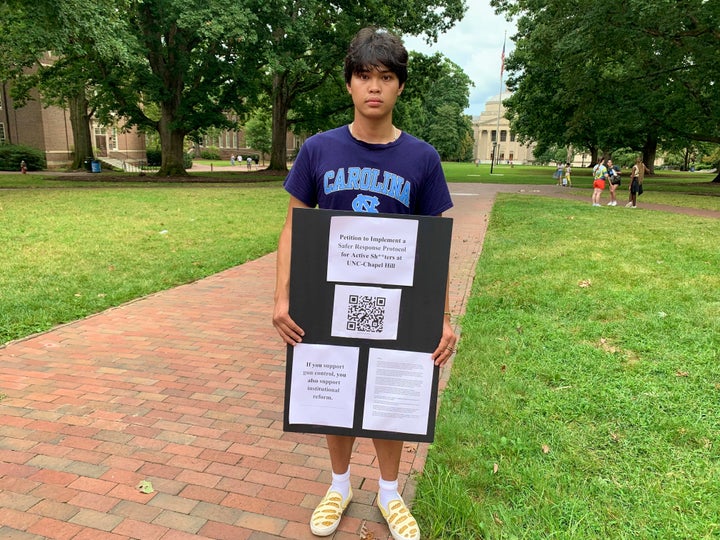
x: 475, y: 44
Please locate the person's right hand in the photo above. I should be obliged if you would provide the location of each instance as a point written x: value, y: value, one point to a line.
x: 289, y: 331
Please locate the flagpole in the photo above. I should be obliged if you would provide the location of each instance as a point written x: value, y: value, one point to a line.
x: 496, y: 142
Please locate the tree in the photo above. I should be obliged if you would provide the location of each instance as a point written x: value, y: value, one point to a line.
x: 649, y: 64
x: 191, y: 59
x: 258, y: 132
x: 437, y: 92
x: 305, y: 41
x: 78, y: 33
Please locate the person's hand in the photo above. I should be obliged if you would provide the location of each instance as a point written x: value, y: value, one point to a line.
x: 289, y: 331
x: 447, y: 346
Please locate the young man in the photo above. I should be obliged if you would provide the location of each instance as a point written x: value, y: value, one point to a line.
x: 600, y: 174
x: 409, y: 180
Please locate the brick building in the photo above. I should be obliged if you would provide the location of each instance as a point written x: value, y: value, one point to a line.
x: 48, y: 129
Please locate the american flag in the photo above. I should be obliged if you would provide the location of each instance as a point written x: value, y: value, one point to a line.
x: 502, y: 60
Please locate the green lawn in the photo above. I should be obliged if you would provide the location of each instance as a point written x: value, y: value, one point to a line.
x: 68, y: 253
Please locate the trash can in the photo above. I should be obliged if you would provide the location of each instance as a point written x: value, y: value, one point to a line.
x: 95, y: 166
x: 88, y: 164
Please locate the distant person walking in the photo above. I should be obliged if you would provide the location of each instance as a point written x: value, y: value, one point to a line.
x: 600, y: 174
x: 636, y: 181
x: 23, y: 167
x: 249, y: 163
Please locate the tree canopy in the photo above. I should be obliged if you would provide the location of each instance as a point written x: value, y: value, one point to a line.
x: 179, y: 67
x: 618, y: 73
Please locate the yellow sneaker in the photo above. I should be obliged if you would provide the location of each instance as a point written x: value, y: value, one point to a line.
x: 326, y: 517
x: 400, y: 521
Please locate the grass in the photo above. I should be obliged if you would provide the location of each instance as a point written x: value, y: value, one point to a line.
x: 694, y: 190
x: 582, y: 403
x: 69, y: 253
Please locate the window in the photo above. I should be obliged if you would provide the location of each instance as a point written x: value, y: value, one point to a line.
x: 113, y: 142
x: 493, y: 135
x: 512, y: 137
x: 503, y: 136
x: 2, y: 133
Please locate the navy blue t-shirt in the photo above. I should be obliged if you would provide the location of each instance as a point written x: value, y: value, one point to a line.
x: 335, y: 171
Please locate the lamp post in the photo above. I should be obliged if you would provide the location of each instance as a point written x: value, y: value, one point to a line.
x: 492, y: 156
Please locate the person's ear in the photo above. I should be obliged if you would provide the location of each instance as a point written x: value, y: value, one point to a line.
x: 401, y: 88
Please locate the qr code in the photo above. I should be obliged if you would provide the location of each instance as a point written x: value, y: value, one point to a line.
x: 366, y: 313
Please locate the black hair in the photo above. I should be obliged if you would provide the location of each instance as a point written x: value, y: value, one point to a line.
x: 372, y: 48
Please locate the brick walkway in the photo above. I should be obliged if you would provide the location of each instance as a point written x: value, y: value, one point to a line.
x: 185, y: 389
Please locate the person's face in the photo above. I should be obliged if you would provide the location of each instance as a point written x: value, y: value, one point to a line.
x: 375, y: 91
x: 609, y: 162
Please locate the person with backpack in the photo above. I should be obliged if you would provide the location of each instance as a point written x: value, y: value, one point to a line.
x: 600, y: 174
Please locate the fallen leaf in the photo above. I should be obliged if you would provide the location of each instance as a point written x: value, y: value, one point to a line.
x: 498, y: 521
x: 614, y: 436
x: 681, y: 373
x: 496, y: 468
x: 545, y: 449
x: 145, y: 486
x: 585, y: 283
x: 503, y: 368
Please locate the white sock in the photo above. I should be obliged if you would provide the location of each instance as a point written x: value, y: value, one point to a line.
x: 341, y: 483
x: 388, y: 492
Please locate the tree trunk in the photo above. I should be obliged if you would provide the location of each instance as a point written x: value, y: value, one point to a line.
x: 281, y: 104
x: 80, y: 124
x: 172, y: 145
x: 649, y: 152
x: 593, y: 156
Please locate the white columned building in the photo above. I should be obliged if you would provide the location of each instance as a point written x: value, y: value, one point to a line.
x: 485, y: 130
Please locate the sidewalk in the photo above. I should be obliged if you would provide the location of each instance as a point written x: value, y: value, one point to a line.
x: 184, y: 389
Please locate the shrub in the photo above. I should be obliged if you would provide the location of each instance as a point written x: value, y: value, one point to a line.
x: 211, y: 152
x: 154, y: 157
x: 12, y: 154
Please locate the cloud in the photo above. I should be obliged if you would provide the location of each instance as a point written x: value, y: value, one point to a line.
x: 475, y: 44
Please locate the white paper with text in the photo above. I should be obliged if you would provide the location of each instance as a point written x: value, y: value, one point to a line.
x: 378, y: 250
x: 324, y: 378
x: 399, y: 388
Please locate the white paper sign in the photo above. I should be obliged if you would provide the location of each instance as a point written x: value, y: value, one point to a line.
x: 365, y: 312
x: 323, y: 385
x: 377, y: 250
x: 399, y: 387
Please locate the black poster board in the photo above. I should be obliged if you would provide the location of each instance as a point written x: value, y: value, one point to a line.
x: 332, y: 377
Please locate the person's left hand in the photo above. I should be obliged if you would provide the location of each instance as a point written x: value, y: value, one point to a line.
x: 447, y: 346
